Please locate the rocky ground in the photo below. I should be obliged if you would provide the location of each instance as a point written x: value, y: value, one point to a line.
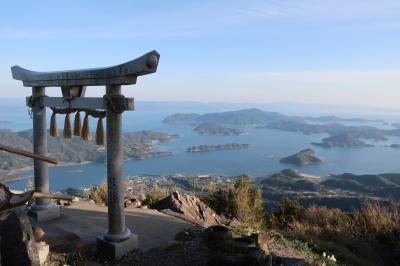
x: 206, y: 242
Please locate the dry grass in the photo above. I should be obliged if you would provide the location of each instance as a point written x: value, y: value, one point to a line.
x: 99, y: 194
x: 374, y: 219
x: 371, y: 233
x: 366, y: 223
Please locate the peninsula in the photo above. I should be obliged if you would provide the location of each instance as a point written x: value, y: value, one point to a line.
x: 136, y: 145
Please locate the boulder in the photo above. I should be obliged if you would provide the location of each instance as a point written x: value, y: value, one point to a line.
x: 75, y: 199
x: 188, y: 208
x: 18, y: 245
x: 262, y: 242
x: 132, y: 203
x: 38, y: 233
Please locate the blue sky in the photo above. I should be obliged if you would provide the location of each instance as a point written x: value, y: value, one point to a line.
x: 311, y: 51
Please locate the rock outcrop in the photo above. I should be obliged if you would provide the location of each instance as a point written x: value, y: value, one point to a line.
x: 18, y: 246
x: 188, y: 208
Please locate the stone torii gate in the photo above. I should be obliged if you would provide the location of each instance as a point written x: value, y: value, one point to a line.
x: 117, y: 239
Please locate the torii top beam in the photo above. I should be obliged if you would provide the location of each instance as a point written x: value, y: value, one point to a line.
x: 123, y: 74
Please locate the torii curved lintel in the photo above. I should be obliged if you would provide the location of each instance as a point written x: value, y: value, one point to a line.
x: 123, y: 74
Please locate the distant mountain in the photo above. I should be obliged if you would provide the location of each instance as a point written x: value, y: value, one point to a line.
x: 345, y: 191
x: 182, y: 119
x: 273, y: 120
x: 212, y: 128
x: 341, y: 141
x: 289, y: 179
x: 373, y: 182
x: 381, y: 185
x: 241, y: 117
x: 301, y: 158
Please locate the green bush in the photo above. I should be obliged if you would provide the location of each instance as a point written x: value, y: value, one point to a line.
x: 243, y: 202
x: 154, y: 196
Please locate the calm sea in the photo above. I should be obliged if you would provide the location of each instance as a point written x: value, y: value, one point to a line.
x: 262, y: 158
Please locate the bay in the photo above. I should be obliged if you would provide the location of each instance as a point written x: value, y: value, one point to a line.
x: 261, y: 158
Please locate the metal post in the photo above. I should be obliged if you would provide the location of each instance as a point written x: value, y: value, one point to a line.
x: 116, y: 210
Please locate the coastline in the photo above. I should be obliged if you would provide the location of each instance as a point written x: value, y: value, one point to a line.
x: 11, y: 174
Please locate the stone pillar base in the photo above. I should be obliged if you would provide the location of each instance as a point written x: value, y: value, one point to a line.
x: 115, y: 250
x: 44, y: 214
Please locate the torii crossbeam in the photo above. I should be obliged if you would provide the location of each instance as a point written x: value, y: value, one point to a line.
x: 117, y: 240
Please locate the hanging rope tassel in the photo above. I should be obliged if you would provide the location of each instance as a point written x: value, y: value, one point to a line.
x: 85, y: 129
x: 77, y: 124
x: 67, y: 127
x: 100, y: 140
x: 53, y: 125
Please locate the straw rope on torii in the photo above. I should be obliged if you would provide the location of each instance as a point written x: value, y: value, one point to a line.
x: 79, y: 130
x: 117, y: 239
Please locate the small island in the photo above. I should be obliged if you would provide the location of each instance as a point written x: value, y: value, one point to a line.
x: 205, y: 147
x: 341, y: 141
x: 302, y: 158
x: 212, y: 128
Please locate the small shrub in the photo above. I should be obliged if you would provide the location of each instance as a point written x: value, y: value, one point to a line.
x: 290, y: 211
x: 72, y: 259
x: 141, y: 196
x: 243, y: 201
x: 155, y: 195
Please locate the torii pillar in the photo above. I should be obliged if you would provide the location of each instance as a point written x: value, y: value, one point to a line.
x: 117, y: 239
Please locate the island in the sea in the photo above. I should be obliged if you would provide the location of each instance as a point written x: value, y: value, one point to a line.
x: 212, y: 128
x: 205, y: 147
x: 301, y: 158
x: 346, y: 140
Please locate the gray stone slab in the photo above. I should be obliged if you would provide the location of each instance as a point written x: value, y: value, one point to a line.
x: 122, y: 74
x: 47, y: 214
x: 116, y: 250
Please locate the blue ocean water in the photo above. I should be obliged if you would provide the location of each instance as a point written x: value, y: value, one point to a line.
x: 262, y: 158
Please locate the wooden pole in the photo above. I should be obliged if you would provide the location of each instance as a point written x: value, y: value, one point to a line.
x: 28, y: 154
